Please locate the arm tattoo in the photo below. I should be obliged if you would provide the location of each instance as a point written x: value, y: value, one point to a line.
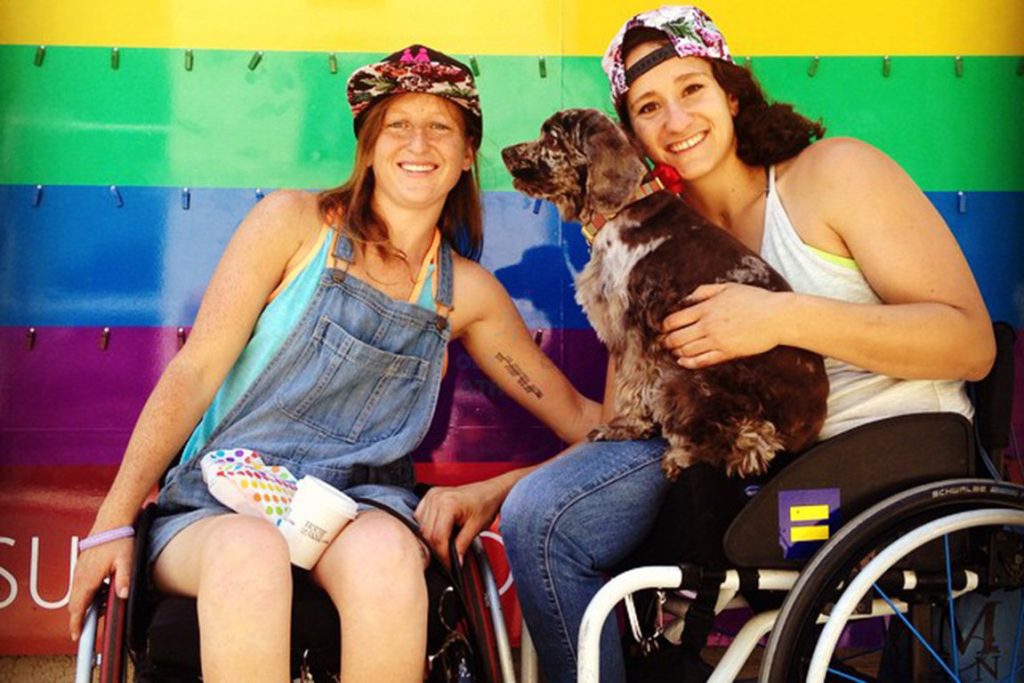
x: 521, y: 377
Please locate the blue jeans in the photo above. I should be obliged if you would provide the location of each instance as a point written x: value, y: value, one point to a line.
x: 564, y: 526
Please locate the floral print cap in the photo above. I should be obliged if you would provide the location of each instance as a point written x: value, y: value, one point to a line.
x: 690, y: 32
x: 415, y: 69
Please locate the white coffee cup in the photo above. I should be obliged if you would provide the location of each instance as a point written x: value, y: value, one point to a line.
x: 318, y: 514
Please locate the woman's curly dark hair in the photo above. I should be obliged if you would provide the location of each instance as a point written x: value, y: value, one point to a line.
x: 766, y: 133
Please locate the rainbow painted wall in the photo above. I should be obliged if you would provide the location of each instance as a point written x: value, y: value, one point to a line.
x: 134, y: 137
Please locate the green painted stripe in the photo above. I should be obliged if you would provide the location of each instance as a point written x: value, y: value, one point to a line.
x: 75, y: 120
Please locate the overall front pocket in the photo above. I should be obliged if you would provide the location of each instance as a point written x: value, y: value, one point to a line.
x: 347, y: 389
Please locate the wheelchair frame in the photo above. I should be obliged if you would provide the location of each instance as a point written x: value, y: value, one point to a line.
x: 991, y: 502
x: 941, y: 506
x: 113, y: 651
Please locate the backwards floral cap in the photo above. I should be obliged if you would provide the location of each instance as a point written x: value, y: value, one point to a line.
x: 415, y: 69
x: 690, y: 32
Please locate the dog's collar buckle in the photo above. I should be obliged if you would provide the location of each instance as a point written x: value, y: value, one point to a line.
x: 591, y: 229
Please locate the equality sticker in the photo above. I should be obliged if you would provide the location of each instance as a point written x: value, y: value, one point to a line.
x: 807, y: 518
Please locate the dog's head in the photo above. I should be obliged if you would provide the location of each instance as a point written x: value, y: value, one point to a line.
x: 582, y: 162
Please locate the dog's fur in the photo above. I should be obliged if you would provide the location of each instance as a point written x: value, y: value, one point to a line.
x: 645, y: 261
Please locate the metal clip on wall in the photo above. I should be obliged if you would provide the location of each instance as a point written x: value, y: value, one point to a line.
x: 886, y: 66
x: 115, y: 58
x: 186, y: 198
x: 116, y: 194
x: 812, y: 70
x: 255, y: 60
x: 104, y: 339
x: 542, y: 66
x: 189, y: 60
x: 40, y: 55
x: 37, y: 196
x: 332, y: 63
x: 30, y: 339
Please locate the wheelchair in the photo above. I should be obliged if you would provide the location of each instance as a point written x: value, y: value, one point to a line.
x: 160, y: 634
x: 887, y: 524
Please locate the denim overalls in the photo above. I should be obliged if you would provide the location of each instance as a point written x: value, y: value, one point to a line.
x: 349, y: 394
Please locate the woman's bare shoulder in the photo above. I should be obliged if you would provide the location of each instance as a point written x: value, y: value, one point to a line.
x: 834, y: 160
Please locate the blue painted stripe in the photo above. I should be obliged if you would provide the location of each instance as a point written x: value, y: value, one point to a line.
x: 78, y: 259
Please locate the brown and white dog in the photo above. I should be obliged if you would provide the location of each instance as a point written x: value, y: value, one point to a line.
x: 648, y: 256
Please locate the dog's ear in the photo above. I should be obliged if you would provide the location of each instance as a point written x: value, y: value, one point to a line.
x: 614, y: 168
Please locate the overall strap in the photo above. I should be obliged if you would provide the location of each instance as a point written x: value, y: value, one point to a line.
x: 344, y: 255
x: 443, y: 295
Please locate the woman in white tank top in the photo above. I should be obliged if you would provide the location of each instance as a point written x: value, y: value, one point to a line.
x: 881, y: 288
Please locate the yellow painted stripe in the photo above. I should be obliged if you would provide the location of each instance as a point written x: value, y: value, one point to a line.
x: 523, y: 27
x: 808, y: 533
x: 804, y: 513
x: 827, y: 27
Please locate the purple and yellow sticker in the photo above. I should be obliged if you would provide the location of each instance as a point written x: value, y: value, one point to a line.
x: 807, y: 518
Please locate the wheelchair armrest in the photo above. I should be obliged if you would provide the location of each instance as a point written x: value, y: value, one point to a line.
x: 857, y: 469
x: 139, y: 608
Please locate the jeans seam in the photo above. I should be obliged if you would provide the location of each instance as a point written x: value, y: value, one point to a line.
x: 545, y: 559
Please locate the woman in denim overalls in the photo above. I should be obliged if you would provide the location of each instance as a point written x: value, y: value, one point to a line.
x: 323, y: 349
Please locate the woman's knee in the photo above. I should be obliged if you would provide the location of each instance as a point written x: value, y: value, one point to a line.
x: 227, y: 549
x: 241, y: 549
x: 374, y: 553
x: 523, y: 514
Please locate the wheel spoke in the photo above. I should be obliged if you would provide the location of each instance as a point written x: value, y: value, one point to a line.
x: 836, y: 672
x: 917, y: 634
x: 953, y: 632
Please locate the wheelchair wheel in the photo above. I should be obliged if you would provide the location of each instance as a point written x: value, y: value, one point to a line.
x: 917, y: 552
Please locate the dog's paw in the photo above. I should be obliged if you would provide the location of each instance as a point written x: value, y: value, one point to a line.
x: 675, y: 460
x: 749, y: 464
x: 622, y: 430
x: 755, y: 447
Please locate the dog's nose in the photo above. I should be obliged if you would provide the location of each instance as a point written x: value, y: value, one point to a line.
x: 510, y: 155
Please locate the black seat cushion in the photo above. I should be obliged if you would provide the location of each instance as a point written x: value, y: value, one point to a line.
x: 171, y: 650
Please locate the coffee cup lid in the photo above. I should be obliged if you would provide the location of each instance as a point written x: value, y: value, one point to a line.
x: 340, y: 502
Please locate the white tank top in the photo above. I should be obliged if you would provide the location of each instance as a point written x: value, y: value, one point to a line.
x: 856, y: 396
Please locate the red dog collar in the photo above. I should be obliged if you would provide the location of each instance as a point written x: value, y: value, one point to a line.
x: 591, y: 229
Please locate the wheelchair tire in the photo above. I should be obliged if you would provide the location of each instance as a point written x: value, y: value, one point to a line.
x: 883, y: 532
x: 485, y: 641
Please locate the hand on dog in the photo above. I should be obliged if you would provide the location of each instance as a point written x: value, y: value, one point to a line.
x: 722, y: 322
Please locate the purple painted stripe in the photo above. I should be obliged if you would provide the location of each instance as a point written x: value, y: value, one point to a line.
x: 67, y: 402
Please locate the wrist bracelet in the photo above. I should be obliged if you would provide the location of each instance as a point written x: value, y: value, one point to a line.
x: 105, y: 537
